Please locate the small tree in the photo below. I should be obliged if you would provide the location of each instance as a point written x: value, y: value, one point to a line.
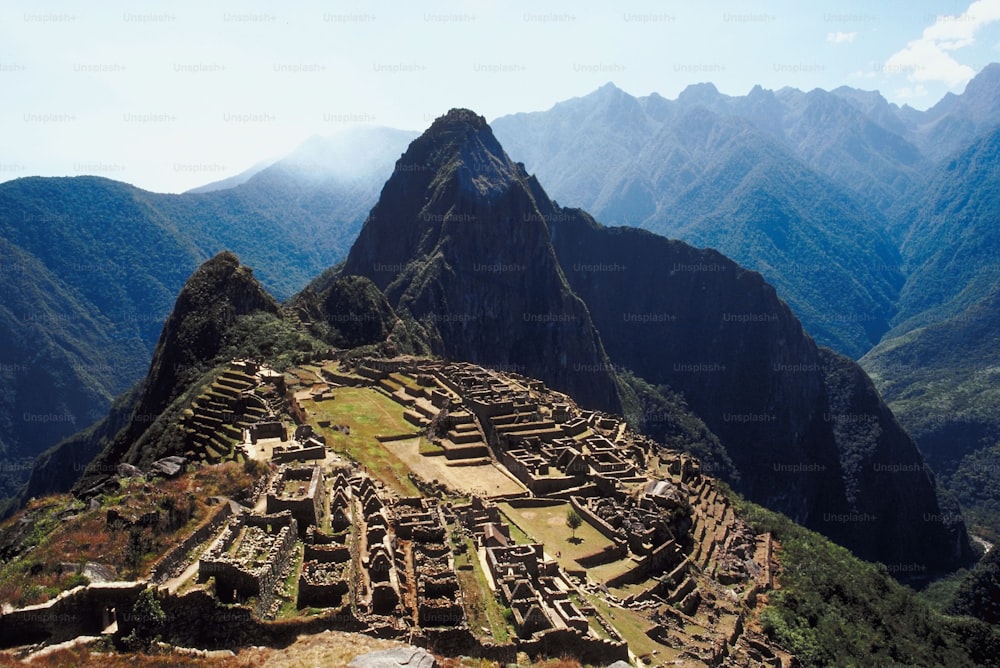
x: 147, y: 617
x: 573, y: 521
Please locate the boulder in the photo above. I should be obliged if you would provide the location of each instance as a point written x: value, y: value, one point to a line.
x: 168, y: 467
x: 128, y: 471
x: 398, y: 657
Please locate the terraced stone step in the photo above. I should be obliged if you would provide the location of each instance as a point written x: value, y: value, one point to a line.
x: 234, y: 383
x: 464, y: 450
x: 415, y: 418
x: 509, y: 418
x: 463, y: 419
x: 222, y: 390
x: 461, y: 438
x: 476, y: 461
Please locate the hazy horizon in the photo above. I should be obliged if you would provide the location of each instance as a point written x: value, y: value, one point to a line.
x: 172, y: 97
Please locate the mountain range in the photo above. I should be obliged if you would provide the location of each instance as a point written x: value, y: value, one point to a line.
x: 873, y: 222
x: 465, y: 257
x: 91, y: 268
x: 870, y: 221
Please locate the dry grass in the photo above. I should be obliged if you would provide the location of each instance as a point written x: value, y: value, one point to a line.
x: 333, y: 648
x: 68, y: 533
x: 547, y: 524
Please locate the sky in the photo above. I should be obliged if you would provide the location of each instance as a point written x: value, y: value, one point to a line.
x: 171, y: 95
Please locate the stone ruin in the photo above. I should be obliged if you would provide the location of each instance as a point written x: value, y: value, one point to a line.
x: 428, y: 574
x: 299, y: 490
x: 246, y: 559
x: 326, y: 574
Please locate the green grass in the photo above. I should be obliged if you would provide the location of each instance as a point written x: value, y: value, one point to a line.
x: 428, y: 449
x: 290, y: 590
x: 369, y: 414
x: 403, y: 380
x: 548, y: 525
x: 631, y: 626
x: 482, y: 607
x: 605, y: 572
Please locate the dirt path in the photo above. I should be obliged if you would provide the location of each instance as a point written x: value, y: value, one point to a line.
x: 173, y: 584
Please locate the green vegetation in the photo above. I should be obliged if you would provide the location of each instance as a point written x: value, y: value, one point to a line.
x: 548, y: 525
x: 429, y: 449
x: 148, y: 617
x: 943, y: 383
x: 97, y: 265
x: 664, y: 415
x: 979, y: 593
x: 289, y: 592
x: 632, y: 626
x: 481, y: 606
x: 369, y: 414
x: 573, y: 521
x: 942, y: 592
x: 834, y: 609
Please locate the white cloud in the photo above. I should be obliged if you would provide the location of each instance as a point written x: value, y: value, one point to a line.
x: 840, y: 37
x: 929, y: 58
x: 911, y: 92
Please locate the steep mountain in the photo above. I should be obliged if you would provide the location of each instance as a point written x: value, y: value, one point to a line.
x: 835, y: 460
x: 957, y: 120
x: 207, y: 309
x: 91, y: 275
x: 457, y: 242
x: 759, y: 206
x: 57, y: 371
x: 949, y: 240
x: 94, y: 266
x: 221, y: 313
x: 351, y: 312
x: 939, y: 367
x: 494, y: 271
x: 979, y: 595
x: 695, y: 169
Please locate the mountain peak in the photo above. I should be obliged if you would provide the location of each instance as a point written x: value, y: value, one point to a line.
x: 981, y: 91
x: 699, y: 93
x: 458, y: 147
x: 458, y: 242
x: 457, y: 119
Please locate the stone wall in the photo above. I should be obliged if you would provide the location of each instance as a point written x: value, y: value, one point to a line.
x: 171, y: 562
x: 79, y: 611
x: 233, y: 577
x: 306, y: 508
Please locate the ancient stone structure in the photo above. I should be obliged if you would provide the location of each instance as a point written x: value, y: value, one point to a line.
x: 299, y: 490
x: 672, y: 550
x: 247, y: 557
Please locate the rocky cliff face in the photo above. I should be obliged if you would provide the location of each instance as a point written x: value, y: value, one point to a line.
x: 698, y: 322
x: 891, y: 493
x: 348, y: 313
x: 458, y: 242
